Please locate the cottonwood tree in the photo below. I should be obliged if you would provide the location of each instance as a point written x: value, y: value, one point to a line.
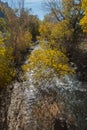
x: 16, y: 20
x: 70, y: 12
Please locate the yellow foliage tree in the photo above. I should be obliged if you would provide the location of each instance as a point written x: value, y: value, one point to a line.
x: 27, y: 38
x: 56, y: 33
x: 46, y: 62
x: 60, y: 33
x: 6, y: 70
x: 84, y: 19
x: 45, y: 30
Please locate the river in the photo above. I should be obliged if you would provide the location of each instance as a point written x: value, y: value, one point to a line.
x: 38, y: 105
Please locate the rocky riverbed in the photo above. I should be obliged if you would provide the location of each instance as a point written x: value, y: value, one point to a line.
x: 45, y: 104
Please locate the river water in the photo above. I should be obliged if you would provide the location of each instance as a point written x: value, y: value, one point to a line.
x: 35, y: 105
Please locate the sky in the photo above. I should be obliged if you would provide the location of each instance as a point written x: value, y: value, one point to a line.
x: 35, y: 5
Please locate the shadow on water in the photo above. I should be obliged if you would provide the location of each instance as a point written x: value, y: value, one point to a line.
x: 60, y: 125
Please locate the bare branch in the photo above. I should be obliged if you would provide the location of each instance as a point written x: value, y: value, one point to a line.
x: 55, y: 7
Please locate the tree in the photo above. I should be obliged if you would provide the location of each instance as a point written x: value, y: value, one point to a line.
x: 6, y: 60
x: 15, y: 39
x: 45, y: 30
x: 2, y: 25
x: 84, y: 19
x: 56, y: 34
x: 33, y: 26
x: 61, y: 33
x: 18, y: 31
x: 54, y: 7
x: 70, y: 11
x: 50, y: 18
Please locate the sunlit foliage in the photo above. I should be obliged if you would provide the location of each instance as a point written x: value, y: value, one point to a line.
x: 45, y: 30
x: 56, y: 33
x: 6, y: 59
x: 47, y: 61
x: 61, y: 32
x: 27, y: 38
x: 67, y: 13
x: 84, y: 19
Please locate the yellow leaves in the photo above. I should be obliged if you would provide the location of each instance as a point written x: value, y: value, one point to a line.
x: 48, y: 61
x: 84, y: 4
x: 56, y: 33
x: 2, y: 48
x: 83, y: 21
x: 6, y: 70
x: 45, y: 29
x: 61, y: 30
x: 2, y: 51
x: 27, y: 37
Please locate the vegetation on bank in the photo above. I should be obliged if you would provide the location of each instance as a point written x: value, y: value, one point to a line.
x: 61, y: 32
x: 47, y: 62
x: 16, y: 35
x: 6, y: 60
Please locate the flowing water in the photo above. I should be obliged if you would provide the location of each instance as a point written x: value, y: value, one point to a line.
x: 36, y: 105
